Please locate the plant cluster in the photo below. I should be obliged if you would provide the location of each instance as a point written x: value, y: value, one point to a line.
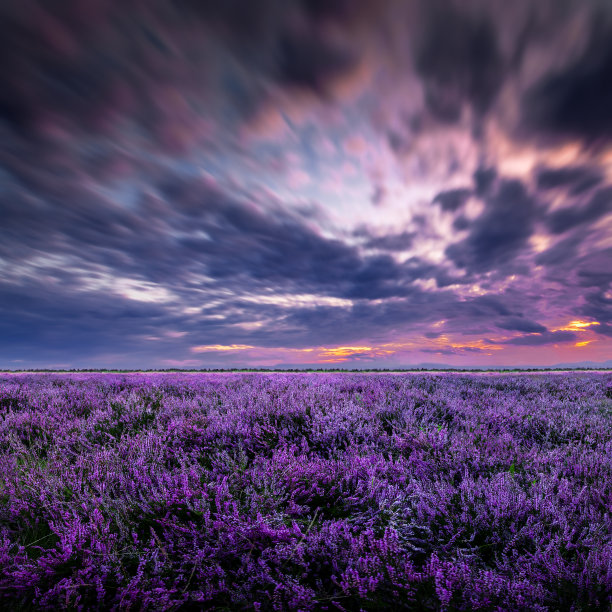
x: 306, y: 492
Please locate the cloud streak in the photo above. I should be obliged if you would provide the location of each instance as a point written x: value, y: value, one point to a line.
x: 208, y: 183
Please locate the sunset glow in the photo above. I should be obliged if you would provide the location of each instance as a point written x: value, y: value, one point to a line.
x: 579, y: 325
x: 376, y: 184
x: 221, y: 347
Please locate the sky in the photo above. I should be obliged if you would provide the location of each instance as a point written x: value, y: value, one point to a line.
x: 299, y: 183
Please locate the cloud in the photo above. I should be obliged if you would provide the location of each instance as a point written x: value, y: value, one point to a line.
x: 453, y: 199
x: 391, y: 242
x: 309, y: 62
x: 605, y: 330
x: 105, y: 92
x: 484, y: 179
x: 520, y: 324
x: 594, y: 269
x: 500, y: 233
x: 563, y: 251
x: 565, y: 219
x: 577, y: 179
x: 218, y: 257
x: 574, y: 101
x: 298, y: 173
x: 459, y: 60
x: 598, y: 306
x: 550, y: 337
x: 378, y: 197
x: 484, y: 305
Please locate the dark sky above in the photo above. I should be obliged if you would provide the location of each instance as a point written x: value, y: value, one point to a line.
x: 366, y: 183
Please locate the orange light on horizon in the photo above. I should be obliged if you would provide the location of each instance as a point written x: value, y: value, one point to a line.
x: 345, y: 351
x: 578, y: 325
x: 445, y: 342
x: 584, y: 343
x: 342, y: 359
x: 221, y: 347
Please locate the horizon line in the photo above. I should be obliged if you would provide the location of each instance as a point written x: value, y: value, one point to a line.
x: 298, y: 370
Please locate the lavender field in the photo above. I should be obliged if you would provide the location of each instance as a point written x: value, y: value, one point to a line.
x: 306, y: 492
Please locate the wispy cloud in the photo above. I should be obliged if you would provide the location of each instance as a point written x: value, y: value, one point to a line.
x: 304, y: 182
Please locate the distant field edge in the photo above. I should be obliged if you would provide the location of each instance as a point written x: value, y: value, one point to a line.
x: 307, y: 371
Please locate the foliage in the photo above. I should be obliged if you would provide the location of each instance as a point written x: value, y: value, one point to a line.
x: 305, y: 491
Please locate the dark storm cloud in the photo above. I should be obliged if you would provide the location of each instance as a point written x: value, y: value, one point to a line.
x: 146, y: 73
x: 142, y: 76
x: 238, y: 240
x: 520, y: 324
x: 575, y: 100
x: 500, y: 233
x: 307, y: 63
x: 605, y: 329
x: 459, y: 60
x: 595, y: 269
x: 245, y: 243
x: 194, y: 229
x: 317, y: 325
x: 381, y: 277
x: 595, y: 273
x: 220, y: 236
x: 452, y: 200
x: 41, y: 320
x: 549, y: 337
x: 577, y: 179
x: 485, y: 306
x: 391, y: 242
x: 599, y: 307
x: 484, y: 178
x: 569, y: 217
x: 461, y: 223
x: 562, y: 252
x: 555, y: 55
x: 446, y: 279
